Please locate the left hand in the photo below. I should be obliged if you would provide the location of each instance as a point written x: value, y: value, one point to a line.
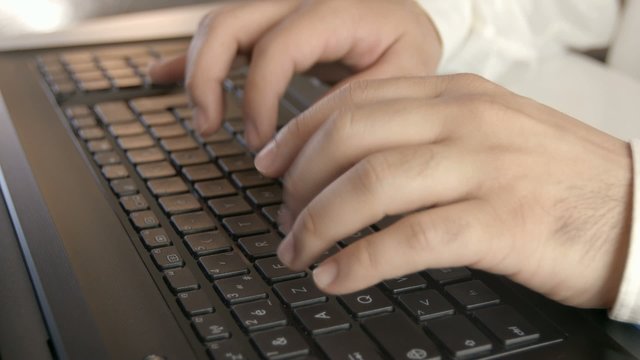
x: 489, y: 179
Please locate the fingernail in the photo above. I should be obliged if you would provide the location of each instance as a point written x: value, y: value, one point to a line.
x: 285, y: 219
x: 325, y: 274
x: 286, y: 251
x: 265, y: 157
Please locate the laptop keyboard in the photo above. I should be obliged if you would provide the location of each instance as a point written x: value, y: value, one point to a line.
x: 206, y: 225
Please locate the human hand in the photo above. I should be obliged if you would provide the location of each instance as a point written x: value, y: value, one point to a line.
x: 489, y: 180
x: 375, y: 38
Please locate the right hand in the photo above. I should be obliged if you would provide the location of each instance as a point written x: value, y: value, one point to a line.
x: 374, y: 38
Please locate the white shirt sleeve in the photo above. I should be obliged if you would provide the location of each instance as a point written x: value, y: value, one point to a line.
x: 627, y: 306
x: 487, y: 37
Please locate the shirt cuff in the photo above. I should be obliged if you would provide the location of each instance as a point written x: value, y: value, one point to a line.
x: 452, y: 19
x: 627, y: 305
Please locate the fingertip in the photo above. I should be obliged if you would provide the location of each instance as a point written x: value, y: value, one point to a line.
x: 166, y: 71
x: 325, y: 275
x: 251, y: 136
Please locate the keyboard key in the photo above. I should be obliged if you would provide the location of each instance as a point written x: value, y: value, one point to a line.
x: 168, y: 186
x: 218, y: 136
x: 209, y: 242
x: 126, y: 129
x: 405, y: 283
x: 91, y: 133
x: 124, y: 187
x: 230, y: 205
x: 366, y: 302
x: 183, y: 112
x: 158, y: 119
x: 323, y: 318
x: 99, y: 145
x: 231, y: 349
x: 252, y: 178
x: 114, y: 112
x: 472, y: 294
x: 195, y: 303
x: 92, y: 74
x: 189, y: 157
x: 214, y: 188
x: 154, y: 238
x: 210, y: 327
x: 274, y: 271
x: 245, y: 225
x: 148, y: 155
x: 83, y: 122
x: 280, y: 343
x: 447, y: 275
x: 223, y: 265
x: 460, y: 336
x: 238, y: 289
x: 400, y: 338
x: 272, y: 213
x: 425, y: 305
x: 135, y: 142
x: 167, y: 131
x: 299, y: 292
x: 260, y: 315
x: 112, y: 172
x: 106, y: 158
x: 260, y: 245
x: 507, y: 325
x: 201, y: 172
x: 178, y: 144
x: 144, y: 219
x: 193, y: 222
x: 167, y: 257
x: 156, y: 170
x: 159, y: 103
x: 234, y: 125
x: 76, y: 111
x: 227, y: 148
x: 134, y: 203
x: 349, y: 345
x: 263, y: 196
x: 128, y: 82
x: 180, y: 280
x: 236, y: 163
x: 177, y: 204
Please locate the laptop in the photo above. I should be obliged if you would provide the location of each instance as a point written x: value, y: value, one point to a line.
x: 125, y: 235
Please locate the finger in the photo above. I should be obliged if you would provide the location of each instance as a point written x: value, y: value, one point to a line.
x: 392, y: 182
x: 347, y: 138
x: 459, y: 234
x: 168, y: 71
x: 216, y: 42
x: 313, y: 34
x: 278, y: 155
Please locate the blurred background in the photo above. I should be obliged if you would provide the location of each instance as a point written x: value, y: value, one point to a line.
x: 28, y: 16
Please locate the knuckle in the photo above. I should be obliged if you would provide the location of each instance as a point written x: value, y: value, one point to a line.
x: 372, y: 171
x: 421, y: 235
x: 339, y: 127
x: 358, y: 90
x: 365, y: 256
x: 308, y: 226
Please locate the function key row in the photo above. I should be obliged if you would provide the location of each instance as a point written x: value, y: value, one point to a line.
x: 105, y: 69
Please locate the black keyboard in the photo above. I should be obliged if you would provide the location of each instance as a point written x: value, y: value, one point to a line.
x: 205, y: 225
